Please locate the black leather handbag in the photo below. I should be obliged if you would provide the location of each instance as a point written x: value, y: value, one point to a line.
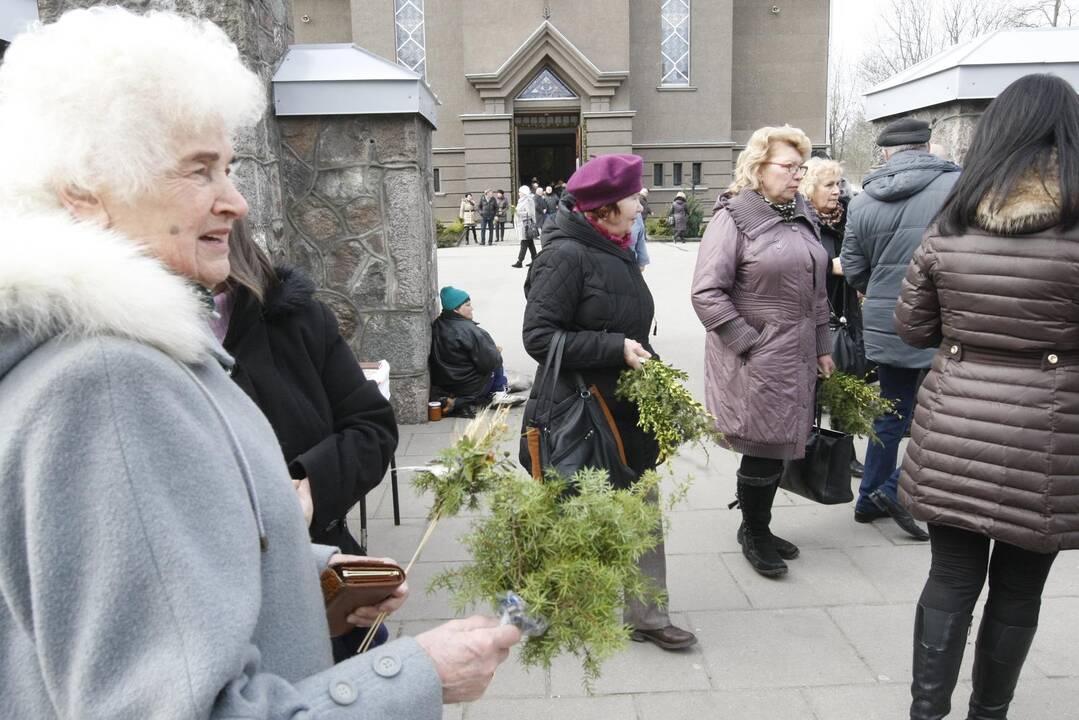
x: 574, y: 432
x: 848, y: 346
x: 823, y: 475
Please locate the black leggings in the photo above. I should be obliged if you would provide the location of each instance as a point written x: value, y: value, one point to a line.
x: 758, y: 467
x: 961, y: 561
x: 469, y: 229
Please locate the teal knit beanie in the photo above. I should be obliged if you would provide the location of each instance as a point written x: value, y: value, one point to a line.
x: 452, y: 298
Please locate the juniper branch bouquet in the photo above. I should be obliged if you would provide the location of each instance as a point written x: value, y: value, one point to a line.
x: 667, y: 410
x: 853, y: 403
x: 470, y: 467
x: 571, y: 557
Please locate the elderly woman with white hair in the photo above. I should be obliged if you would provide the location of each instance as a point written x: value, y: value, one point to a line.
x: 821, y: 188
x: 759, y: 291
x: 527, y: 230
x: 156, y: 560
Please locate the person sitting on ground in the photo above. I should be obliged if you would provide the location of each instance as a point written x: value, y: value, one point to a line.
x: 464, y: 360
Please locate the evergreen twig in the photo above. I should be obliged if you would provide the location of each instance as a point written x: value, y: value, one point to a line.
x: 853, y: 404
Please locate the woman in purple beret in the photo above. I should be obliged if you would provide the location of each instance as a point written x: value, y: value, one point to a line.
x: 759, y: 290
x: 586, y: 283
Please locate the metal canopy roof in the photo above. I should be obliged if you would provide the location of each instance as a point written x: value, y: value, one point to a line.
x: 343, y: 79
x: 978, y: 69
x: 15, y: 16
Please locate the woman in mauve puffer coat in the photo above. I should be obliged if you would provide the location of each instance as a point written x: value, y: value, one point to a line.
x: 994, y: 452
x: 759, y: 291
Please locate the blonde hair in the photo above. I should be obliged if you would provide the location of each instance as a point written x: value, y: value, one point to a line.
x: 819, y: 171
x: 98, y: 100
x: 758, y: 149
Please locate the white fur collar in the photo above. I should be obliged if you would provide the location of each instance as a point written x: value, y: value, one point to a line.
x: 60, y: 277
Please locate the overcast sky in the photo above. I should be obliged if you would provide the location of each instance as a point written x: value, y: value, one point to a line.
x: 852, y: 31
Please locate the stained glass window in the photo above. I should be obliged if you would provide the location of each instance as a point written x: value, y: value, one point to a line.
x: 546, y: 86
x: 411, y: 46
x: 674, y: 42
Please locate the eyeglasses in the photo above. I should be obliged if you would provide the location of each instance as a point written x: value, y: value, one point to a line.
x: 791, y: 168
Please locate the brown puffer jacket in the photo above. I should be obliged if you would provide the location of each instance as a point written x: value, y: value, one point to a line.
x: 995, y: 441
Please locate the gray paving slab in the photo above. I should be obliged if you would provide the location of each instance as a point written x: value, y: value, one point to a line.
x: 771, y: 704
x: 597, y: 708
x: 702, y: 582
x: 777, y: 648
x: 817, y: 578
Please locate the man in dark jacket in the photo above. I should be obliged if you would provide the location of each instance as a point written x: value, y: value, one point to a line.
x: 502, y: 206
x: 885, y: 225
x: 464, y: 359
x: 551, y: 201
x: 488, y: 209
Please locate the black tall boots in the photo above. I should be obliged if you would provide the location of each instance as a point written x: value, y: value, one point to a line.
x: 939, y: 641
x: 998, y: 660
x: 764, y: 551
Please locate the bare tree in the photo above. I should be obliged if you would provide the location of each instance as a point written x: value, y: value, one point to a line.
x: 1054, y: 13
x: 911, y: 31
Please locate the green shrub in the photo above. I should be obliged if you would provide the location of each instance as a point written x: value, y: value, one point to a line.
x: 694, y: 216
x: 657, y: 227
x: 448, y: 235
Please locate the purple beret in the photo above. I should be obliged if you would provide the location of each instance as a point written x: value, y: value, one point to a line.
x: 606, y: 180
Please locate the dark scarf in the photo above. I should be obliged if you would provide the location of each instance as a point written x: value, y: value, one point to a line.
x: 832, y: 219
x: 786, y: 210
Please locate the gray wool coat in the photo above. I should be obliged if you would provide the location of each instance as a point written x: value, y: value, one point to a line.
x: 139, y: 484
x: 759, y: 291
x: 885, y: 224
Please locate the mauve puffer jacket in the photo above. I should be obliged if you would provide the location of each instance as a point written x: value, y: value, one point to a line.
x: 995, y: 442
x: 759, y: 291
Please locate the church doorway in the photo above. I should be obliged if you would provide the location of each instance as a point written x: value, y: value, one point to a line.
x: 548, y: 146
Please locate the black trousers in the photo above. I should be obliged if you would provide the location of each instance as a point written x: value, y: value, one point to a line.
x: 528, y: 245
x: 469, y: 229
x: 961, y: 562
x: 500, y: 230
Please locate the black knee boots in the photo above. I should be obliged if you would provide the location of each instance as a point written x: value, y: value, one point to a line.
x: 755, y: 496
x: 998, y: 660
x: 939, y: 641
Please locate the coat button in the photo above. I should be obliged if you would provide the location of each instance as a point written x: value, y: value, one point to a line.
x: 1053, y: 359
x: 387, y: 666
x: 954, y: 349
x: 342, y: 692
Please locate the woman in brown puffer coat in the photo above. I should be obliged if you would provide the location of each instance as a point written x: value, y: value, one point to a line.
x: 759, y: 291
x: 993, y: 462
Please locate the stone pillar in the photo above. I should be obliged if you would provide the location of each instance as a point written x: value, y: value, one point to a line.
x: 262, y: 30
x: 360, y: 221
x: 953, y: 125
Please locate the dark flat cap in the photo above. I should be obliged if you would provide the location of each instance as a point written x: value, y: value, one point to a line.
x: 907, y: 131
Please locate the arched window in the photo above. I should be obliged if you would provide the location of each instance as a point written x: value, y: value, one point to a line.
x: 411, y: 43
x: 674, y: 42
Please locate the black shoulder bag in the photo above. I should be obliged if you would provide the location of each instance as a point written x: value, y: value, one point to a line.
x: 575, y: 432
x: 848, y: 346
x: 823, y: 475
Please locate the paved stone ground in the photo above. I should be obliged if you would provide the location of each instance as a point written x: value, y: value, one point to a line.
x: 830, y: 641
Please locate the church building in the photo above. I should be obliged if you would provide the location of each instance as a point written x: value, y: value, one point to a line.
x: 532, y: 88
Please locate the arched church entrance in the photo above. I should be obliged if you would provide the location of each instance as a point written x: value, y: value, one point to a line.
x: 546, y: 130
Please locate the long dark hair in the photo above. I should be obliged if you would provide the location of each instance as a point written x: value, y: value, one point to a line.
x: 1033, y: 120
x: 249, y: 265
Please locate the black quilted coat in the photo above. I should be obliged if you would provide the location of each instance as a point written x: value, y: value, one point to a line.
x: 995, y: 443
x: 586, y: 285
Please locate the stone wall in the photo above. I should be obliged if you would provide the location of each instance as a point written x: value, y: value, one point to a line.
x: 262, y: 30
x: 360, y: 221
x: 953, y: 125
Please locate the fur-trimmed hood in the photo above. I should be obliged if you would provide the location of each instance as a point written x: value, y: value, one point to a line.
x: 62, y: 277
x: 293, y: 291
x: 1033, y: 205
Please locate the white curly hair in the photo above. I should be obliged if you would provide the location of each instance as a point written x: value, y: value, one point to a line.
x: 99, y: 99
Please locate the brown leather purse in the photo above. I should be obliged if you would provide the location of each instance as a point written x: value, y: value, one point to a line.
x: 354, y: 585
